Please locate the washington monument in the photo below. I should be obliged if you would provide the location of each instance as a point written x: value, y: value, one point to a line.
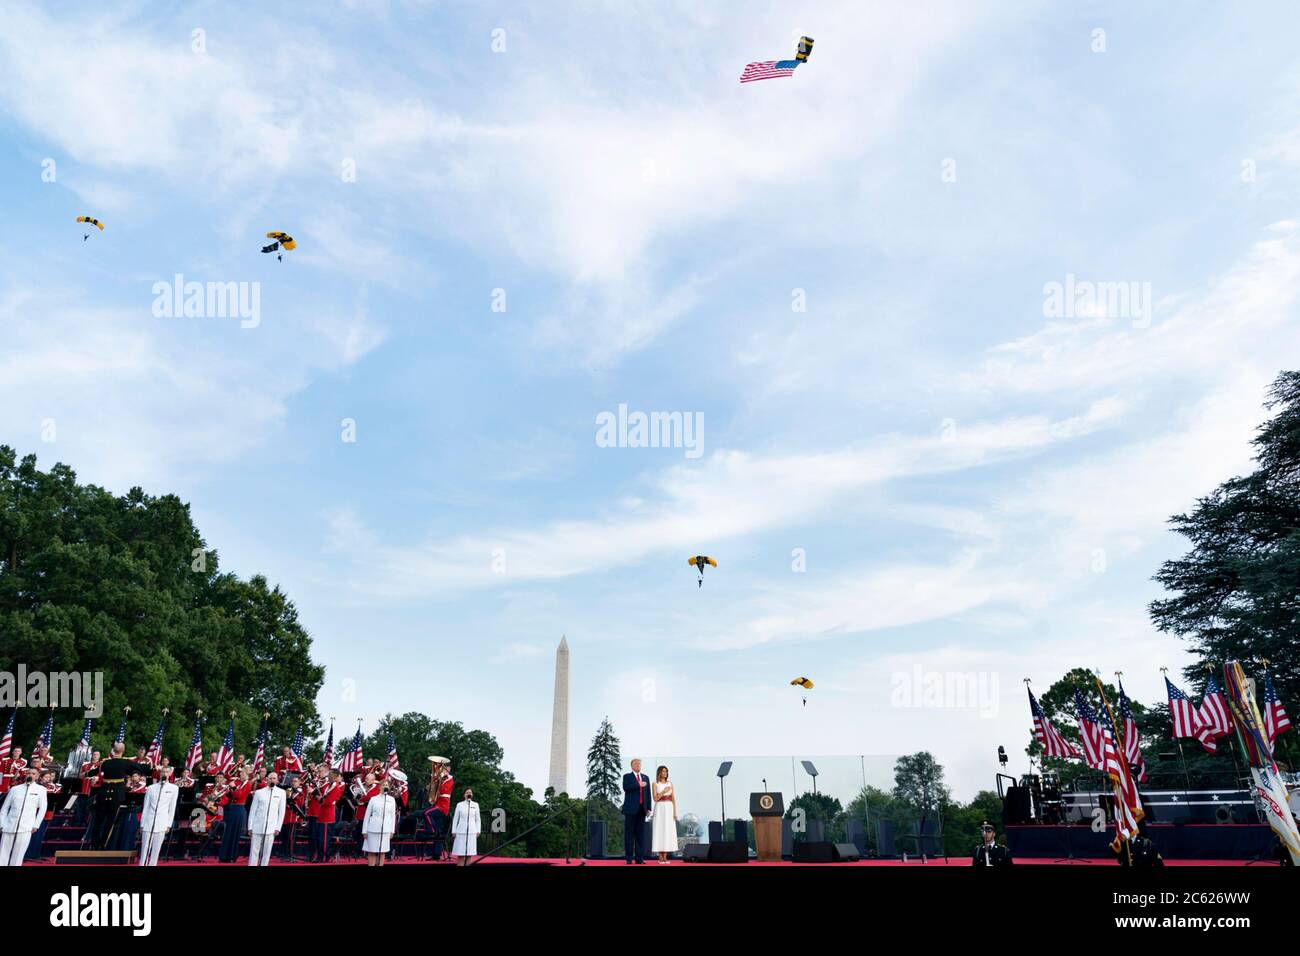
x: 558, y: 780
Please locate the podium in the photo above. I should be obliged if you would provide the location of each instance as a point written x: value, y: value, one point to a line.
x: 767, y: 810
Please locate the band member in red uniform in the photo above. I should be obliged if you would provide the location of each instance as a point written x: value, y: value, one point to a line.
x: 323, y: 809
x: 89, y: 771
x: 438, y: 815
x: 12, y: 769
x: 288, y: 762
x: 163, y: 769
x: 213, y: 768
x: 295, y: 817
x: 236, y: 815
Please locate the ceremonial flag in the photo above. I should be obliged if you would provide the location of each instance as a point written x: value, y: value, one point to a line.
x: 85, y: 732
x: 47, y: 732
x: 121, y: 732
x: 1128, y: 805
x: 1132, y: 740
x: 1054, y: 745
x: 1183, y: 712
x: 226, y: 755
x: 768, y: 70
x: 1276, y: 721
x: 259, y: 758
x: 195, y: 756
x: 1098, y: 748
x: 296, y: 746
x: 7, y: 741
x: 1270, y: 790
x: 392, y: 752
x: 1213, y: 715
x: 153, y: 756
x: 328, y: 757
x: 351, y: 761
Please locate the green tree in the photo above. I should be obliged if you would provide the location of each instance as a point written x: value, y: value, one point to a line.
x: 919, y: 786
x: 127, y: 587
x: 1235, y: 595
x: 604, y: 763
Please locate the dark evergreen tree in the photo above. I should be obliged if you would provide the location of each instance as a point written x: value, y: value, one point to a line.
x: 604, y: 765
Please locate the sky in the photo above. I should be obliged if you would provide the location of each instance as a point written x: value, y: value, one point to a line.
x: 963, y: 312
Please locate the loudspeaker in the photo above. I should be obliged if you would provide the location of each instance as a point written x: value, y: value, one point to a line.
x: 857, y: 835
x: 787, y: 839
x: 715, y: 831
x: 728, y: 853
x: 740, y: 832
x: 814, y: 852
x: 695, y: 853
x: 885, y: 838
x: 597, y: 835
x: 845, y: 853
x: 1015, y: 807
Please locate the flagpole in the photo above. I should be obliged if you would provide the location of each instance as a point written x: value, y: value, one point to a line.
x: 1182, y: 759
x: 1238, y: 777
x: 1114, y: 784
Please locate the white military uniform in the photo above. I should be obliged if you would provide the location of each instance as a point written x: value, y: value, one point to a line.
x: 23, y: 811
x: 265, y: 817
x: 465, y: 828
x: 379, y: 824
x: 157, y: 817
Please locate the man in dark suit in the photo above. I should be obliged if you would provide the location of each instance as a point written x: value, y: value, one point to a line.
x: 990, y: 852
x: 636, y: 804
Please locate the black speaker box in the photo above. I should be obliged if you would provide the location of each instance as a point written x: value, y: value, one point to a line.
x: 695, y: 853
x: 845, y: 853
x: 715, y: 831
x: 740, y: 832
x: 728, y: 853
x: 818, y: 851
x: 597, y: 837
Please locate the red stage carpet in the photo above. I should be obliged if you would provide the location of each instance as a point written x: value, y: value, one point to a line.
x: 678, y: 864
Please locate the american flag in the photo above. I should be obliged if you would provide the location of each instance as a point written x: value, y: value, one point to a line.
x: 1132, y: 740
x: 1213, y: 716
x: 226, y: 755
x: 1275, y: 719
x: 7, y: 741
x: 1183, y: 712
x: 195, y: 756
x: 351, y: 761
x: 328, y: 757
x: 296, y: 746
x: 1101, y: 753
x: 154, y: 754
x: 47, y: 732
x: 85, y: 732
x: 121, y: 733
x: 1054, y: 745
x: 259, y: 758
x: 768, y: 70
x: 392, y: 752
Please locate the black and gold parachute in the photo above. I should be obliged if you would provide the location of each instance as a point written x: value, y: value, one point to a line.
x: 90, y: 221
x: 700, y: 561
x: 282, y: 241
x: 805, y: 683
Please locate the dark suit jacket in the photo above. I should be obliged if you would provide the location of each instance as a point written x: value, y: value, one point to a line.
x: 633, y: 795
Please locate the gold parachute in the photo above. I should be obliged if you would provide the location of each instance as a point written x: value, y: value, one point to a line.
x: 92, y: 221
x: 282, y: 241
x: 700, y: 561
x: 805, y: 683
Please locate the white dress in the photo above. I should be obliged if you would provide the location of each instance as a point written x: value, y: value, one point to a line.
x: 465, y: 827
x: 663, y: 837
x: 379, y: 823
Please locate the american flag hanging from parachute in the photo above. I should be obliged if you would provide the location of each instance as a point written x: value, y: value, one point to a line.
x: 776, y: 69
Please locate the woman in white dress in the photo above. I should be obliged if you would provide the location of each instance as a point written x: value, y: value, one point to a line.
x: 465, y: 827
x: 663, y: 839
x: 380, y: 821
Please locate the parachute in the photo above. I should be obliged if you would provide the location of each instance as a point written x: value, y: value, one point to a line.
x: 805, y: 683
x: 699, y: 562
x: 90, y: 221
x: 775, y: 69
x: 282, y: 241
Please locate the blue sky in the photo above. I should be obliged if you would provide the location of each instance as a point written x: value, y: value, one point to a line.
x: 978, y: 487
